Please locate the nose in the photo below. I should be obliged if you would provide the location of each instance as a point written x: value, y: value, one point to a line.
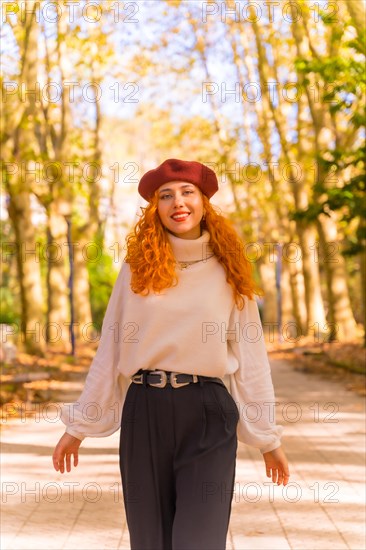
x: 178, y: 200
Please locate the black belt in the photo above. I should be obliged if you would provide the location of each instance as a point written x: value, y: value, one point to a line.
x: 160, y: 378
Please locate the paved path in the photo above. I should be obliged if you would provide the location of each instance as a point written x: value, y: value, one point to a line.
x: 322, y: 508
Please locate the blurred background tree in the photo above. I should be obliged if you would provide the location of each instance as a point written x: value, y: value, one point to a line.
x: 270, y: 96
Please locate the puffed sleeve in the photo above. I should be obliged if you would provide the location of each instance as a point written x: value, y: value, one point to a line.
x: 98, y: 411
x: 251, y: 384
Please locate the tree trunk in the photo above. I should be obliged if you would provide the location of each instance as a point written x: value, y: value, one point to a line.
x: 297, y: 285
x: 28, y: 262
x: 293, y: 287
x: 18, y: 148
x: 342, y: 323
x: 59, y: 309
x: 268, y: 278
x: 59, y: 210
x: 83, y: 314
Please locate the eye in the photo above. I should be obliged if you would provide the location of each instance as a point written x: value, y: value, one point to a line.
x: 189, y: 192
x: 165, y: 196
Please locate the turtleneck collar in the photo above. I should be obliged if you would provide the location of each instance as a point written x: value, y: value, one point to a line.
x: 186, y: 250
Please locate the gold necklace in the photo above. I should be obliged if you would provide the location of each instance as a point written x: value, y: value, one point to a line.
x: 184, y: 265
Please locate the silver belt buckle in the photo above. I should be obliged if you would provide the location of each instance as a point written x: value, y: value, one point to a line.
x: 164, y: 378
x: 175, y: 384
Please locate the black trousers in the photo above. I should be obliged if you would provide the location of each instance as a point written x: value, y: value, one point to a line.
x: 177, y: 460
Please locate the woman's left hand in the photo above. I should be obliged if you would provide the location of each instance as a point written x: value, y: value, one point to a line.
x: 277, y: 466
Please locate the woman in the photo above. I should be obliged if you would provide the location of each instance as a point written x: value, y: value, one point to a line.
x: 181, y: 316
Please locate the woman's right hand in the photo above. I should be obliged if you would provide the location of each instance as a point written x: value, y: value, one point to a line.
x: 67, y: 446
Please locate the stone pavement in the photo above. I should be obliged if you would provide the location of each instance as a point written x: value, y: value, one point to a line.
x: 321, y: 509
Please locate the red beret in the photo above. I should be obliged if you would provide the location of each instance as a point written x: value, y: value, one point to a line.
x: 178, y: 170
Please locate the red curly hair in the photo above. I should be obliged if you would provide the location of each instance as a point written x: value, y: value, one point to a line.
x: 152, y: 261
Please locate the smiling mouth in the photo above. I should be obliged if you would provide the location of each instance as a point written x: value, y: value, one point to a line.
x: 180, y: 217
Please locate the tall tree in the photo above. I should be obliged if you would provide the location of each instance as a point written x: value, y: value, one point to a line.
x: 19, y: 153
x: 326, y: 131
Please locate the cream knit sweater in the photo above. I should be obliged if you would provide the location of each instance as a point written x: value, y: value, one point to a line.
x: 194, y: 327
